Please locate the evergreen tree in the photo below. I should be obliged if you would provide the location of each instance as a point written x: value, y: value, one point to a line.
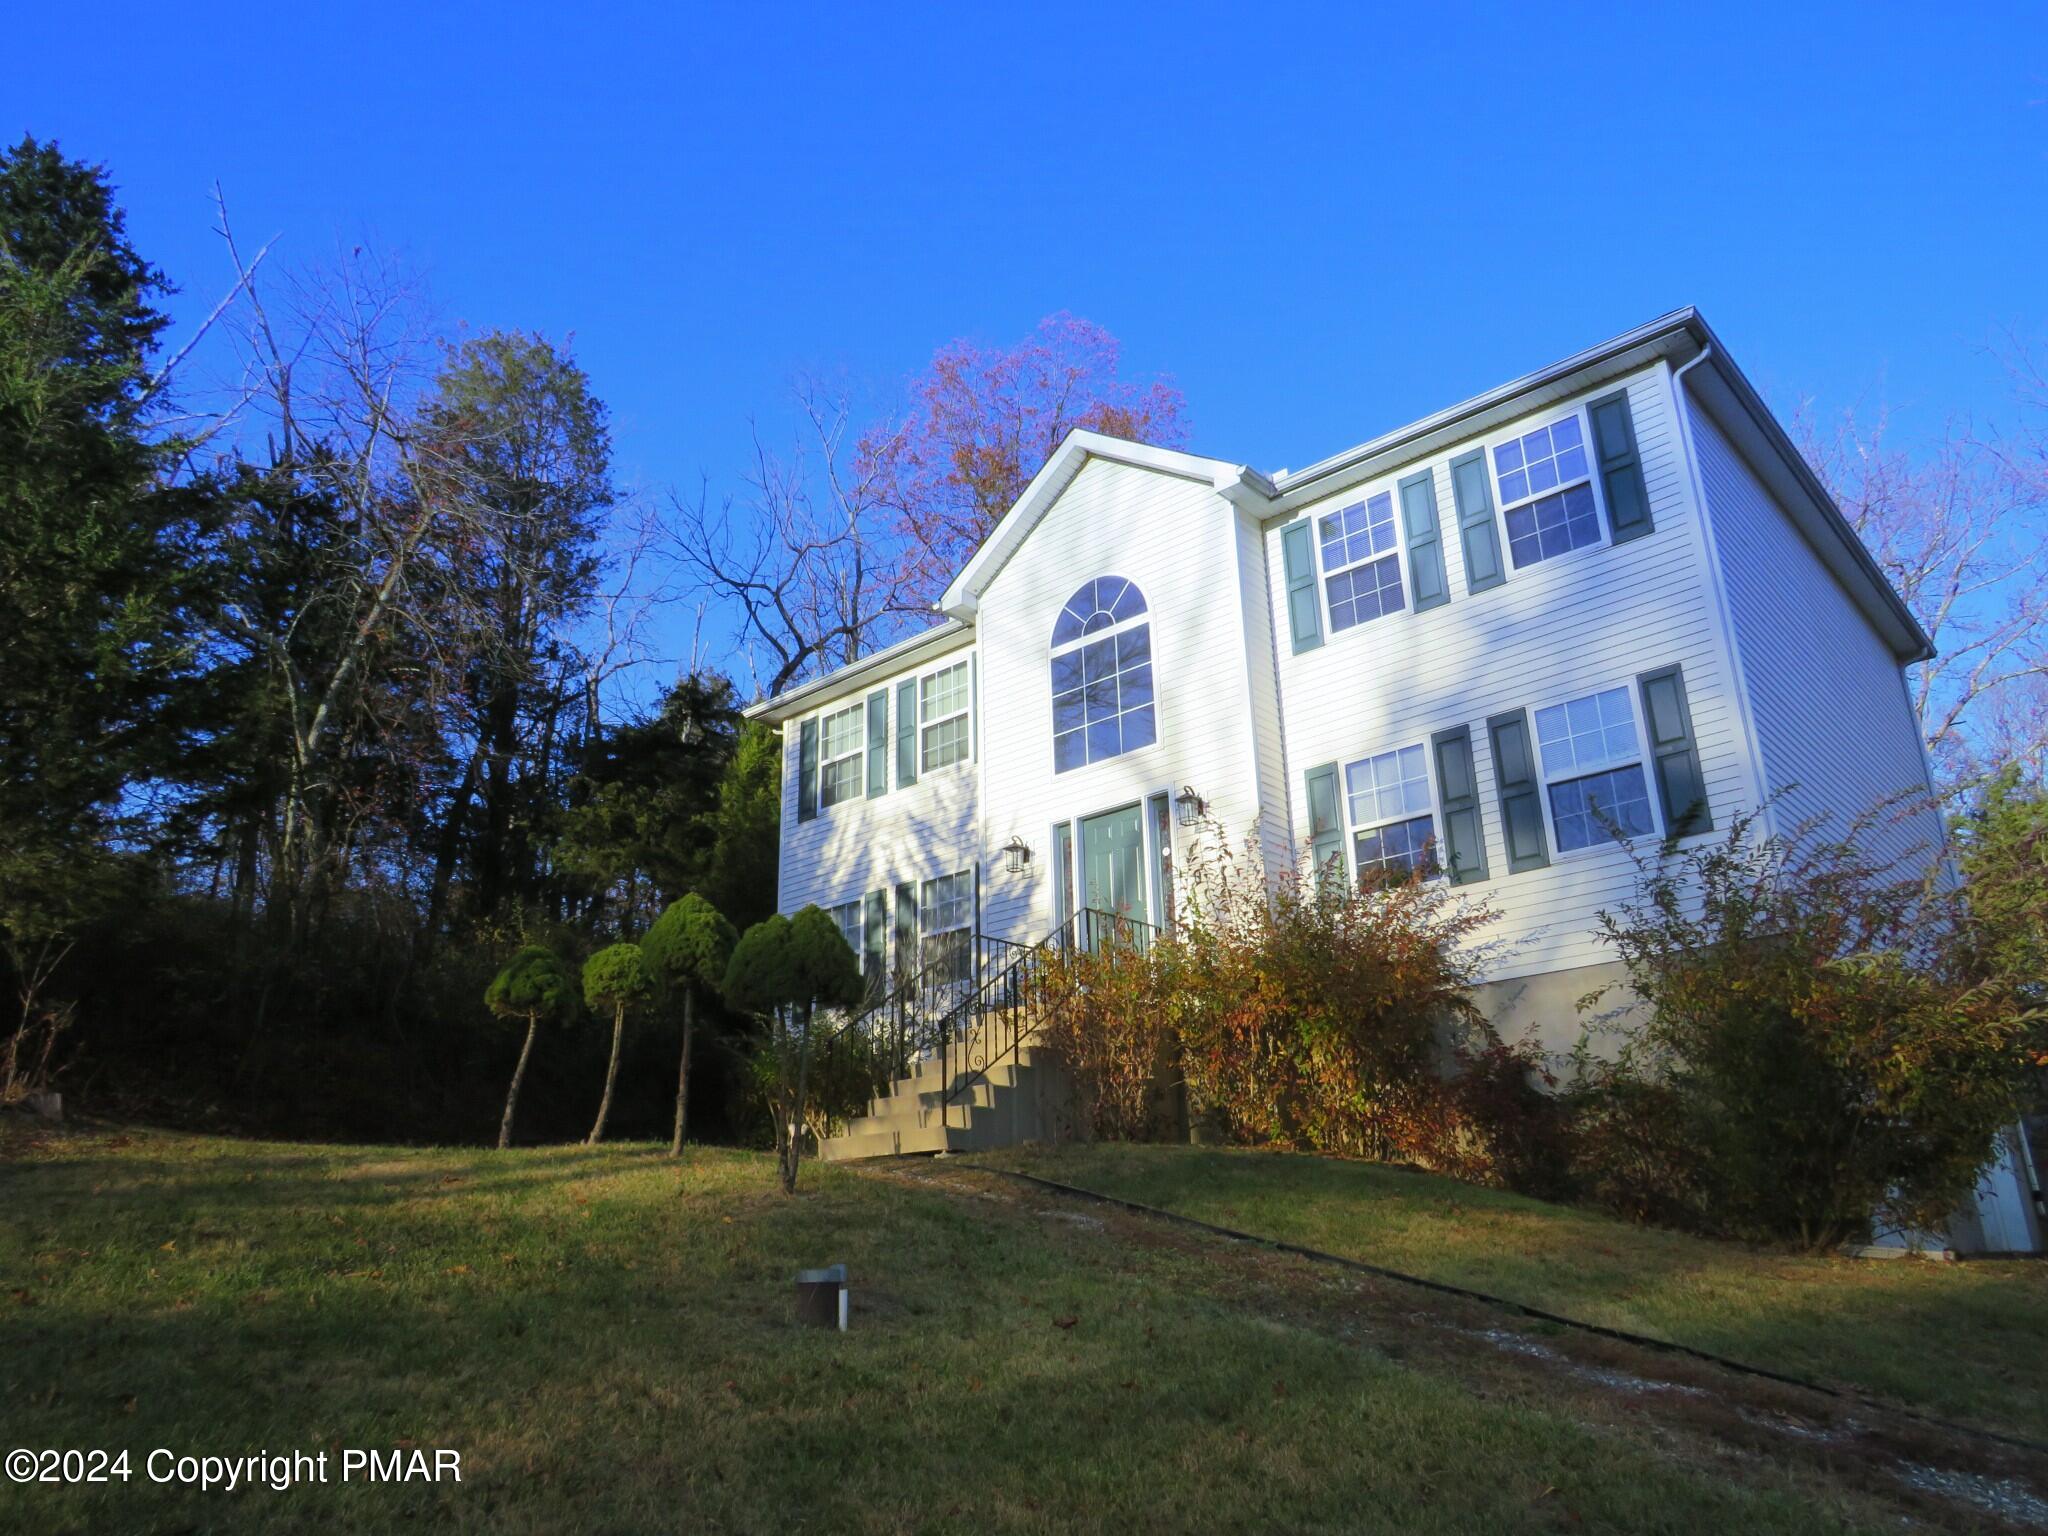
x: 103, y: 564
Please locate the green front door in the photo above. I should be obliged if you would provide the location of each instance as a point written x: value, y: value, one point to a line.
x: 1113, y: 869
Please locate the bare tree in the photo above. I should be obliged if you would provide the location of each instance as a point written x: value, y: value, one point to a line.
x: 1962, y: 533
x: 808, y: 558
x: 336, y: 360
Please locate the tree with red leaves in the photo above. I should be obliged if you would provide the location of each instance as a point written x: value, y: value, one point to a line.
x: 984, y: 420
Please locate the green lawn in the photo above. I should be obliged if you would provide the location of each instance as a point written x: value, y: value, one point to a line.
x: 1968, y: 1340
x: 606, y: 1337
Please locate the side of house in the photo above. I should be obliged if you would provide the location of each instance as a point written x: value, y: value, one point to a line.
x: 880, y: 804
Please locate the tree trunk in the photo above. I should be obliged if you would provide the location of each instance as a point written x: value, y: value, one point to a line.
x: 518, y: 1076
x: 450, y: 844
x: 675, y: 1146
x: 792, y: 1146
x: 611, y: 1075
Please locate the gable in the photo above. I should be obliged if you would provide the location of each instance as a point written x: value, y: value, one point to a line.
x: 1075, y: 456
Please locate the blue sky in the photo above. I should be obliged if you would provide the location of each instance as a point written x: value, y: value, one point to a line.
x: 1321, y: 222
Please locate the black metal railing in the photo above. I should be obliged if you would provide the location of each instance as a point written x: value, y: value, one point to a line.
x: 995, y: 1024
x: 970, y: 1009
x: 884, y: 1041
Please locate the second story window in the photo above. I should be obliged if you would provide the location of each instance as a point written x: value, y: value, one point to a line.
x: 1361, y: 566
x: 843, y: 744
x: 942, y: 706
x: 1546, y: 492
x: 1101, y: 675
x: 1593, y: 770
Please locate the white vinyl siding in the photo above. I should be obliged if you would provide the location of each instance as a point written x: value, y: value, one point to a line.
x: 1552, y: 630
x: 1268, y: 741
x: 1176, y: 540
x: 909, y: 835
x: 1835, y: 727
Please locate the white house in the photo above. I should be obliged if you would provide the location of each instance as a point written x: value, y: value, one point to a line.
x: 1612, y: 584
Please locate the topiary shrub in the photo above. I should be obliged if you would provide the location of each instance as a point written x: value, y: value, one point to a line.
x: 614, y: 979
x: 783, y: 971
x: 687, y: 952
x: 535, y: 986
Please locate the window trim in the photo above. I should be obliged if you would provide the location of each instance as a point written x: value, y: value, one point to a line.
x: 1395, y: 553
x: 964, y: 712
x: 1433, y: 813
x: 1152, y: 647
x: 858, y: 754
x: 1544, y: 781
x: 1515, y: 432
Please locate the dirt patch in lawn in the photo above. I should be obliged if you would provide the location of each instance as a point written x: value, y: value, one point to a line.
x: 1689, y: 1409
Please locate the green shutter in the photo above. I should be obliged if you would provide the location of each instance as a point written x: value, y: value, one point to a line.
x: 1325, y: 823
x: 1621, y: 468
x: 1675, y: 753
x: 1520, y: 791
x: 807, y: 770
x: 1304, y: 604
x: 1457, y: 794
x: 1478, y: 532
x: 906, y: 732
x: 878, y: 743
x: 1425, y: 542
x: 974, y: 706
x: 874, y: 943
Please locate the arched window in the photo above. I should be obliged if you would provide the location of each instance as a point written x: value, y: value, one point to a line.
x: 1101, y: 675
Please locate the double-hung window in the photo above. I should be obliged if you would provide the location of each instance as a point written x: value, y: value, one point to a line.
x: 844, y: 743
x: 945, y: 920
x: 942, y: 707
x: 1546, y: 491
x: 1361, y: 563
x: 1591, y: 752
x: 848, y: 917
x: 1393, y: 829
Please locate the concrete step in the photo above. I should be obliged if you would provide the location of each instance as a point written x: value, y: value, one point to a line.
x: 946, y: 1105
x: 925, y: 1089
x: 897, y: 1142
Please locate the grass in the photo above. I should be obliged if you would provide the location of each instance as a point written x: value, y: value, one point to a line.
x: 1959, y: 1340
x: 606, y: 1337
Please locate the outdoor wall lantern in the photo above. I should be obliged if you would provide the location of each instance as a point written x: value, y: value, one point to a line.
x: 1015, y: 855
x: 1191, y: 806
